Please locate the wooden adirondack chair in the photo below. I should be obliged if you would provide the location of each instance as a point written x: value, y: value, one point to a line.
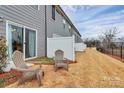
x: 60, y: 61
x: 27, y: 73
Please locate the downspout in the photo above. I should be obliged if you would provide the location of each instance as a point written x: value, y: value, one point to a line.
x: 45, y: 31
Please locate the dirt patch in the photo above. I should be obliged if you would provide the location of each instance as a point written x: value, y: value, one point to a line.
x: 93, y: 69
x: 116, y: 57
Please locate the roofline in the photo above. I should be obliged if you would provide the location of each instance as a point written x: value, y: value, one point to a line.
x: 67, y: 18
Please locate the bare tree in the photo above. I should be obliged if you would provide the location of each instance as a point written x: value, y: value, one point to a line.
x: 92, y: 42
x: 121, y: 40
x: 108, y: 36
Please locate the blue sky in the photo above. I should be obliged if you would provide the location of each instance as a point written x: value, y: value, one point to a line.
x: 91, y: 21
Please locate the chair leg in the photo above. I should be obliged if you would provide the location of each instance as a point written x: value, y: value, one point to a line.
x: 67, y: 68
x: 39, y: 77
x: 55, y: 67
x: 22, y: 79
x: 43, y: 74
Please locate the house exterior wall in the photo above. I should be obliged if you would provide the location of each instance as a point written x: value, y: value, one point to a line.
x: 31, y: 17
x: 2, y: 29
x: 77, y: 38
x: 27, y: 16
x: 56, y: 26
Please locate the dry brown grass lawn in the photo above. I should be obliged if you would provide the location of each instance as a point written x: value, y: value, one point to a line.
x: 93, y: 69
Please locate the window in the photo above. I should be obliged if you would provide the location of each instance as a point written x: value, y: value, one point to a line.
x: 75, y: 38
x: 64, y: 23
x: 53, y: 12
x: 69, y: 27
x: 70, y: 30
x: 30, y: 46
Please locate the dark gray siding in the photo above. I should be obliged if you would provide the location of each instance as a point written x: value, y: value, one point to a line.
x: 56, y: 26
x: 27, y: 16
x: 78, y: 39
x: 2, y: 29
x: 33, y: 18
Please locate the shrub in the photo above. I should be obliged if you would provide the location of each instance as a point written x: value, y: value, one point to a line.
x: 101, y: 49
x: 3, y: 54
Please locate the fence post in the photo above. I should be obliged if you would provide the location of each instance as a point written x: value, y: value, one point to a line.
x: 121, y: 51
x: 112, y: 50
x: 116, y: 51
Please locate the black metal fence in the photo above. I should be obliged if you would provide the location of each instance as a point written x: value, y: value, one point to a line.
x: 117, y: 51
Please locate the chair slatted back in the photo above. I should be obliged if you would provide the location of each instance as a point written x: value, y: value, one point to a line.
x: 59, y: 55
x: 19, y: 60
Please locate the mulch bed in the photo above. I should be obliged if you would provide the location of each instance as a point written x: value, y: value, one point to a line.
x: 9, y: 77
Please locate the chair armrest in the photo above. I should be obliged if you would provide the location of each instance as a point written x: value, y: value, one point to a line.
x: 25, y: 70
x: 35, y: 63
x: 67, y: 60
x: 29, y: 64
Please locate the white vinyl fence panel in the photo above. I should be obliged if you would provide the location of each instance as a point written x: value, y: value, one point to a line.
x: 80, y: 46
x: 66, y: 44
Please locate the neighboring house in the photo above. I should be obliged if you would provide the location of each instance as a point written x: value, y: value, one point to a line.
x: 58, y: 23
x: 27, y: 27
